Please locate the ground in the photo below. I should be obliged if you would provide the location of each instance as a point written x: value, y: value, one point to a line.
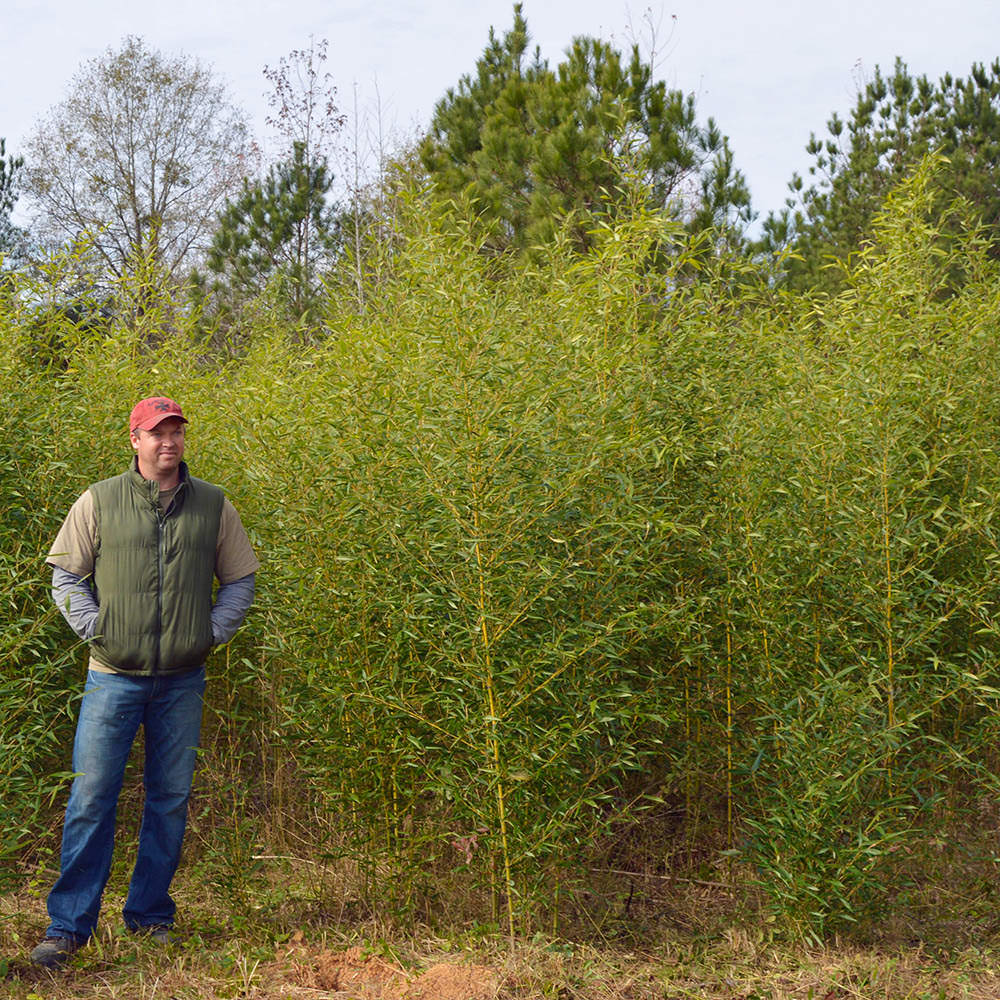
x: 210, y: 965
x: 300, y: 949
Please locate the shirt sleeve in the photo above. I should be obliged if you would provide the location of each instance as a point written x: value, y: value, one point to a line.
x: 232, y: 601
x: 234, y: 555
x: 75, y: 546
x: 74, y: 598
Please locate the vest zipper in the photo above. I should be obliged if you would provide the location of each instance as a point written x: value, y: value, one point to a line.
x: 160, y: 518
x: 161, y: 521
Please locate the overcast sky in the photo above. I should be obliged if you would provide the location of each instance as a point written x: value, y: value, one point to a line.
x: 768, y: 72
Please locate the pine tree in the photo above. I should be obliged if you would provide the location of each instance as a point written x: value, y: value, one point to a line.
x: 895, y: 123
x: 10, y: 166
x: 533, y: 147
x: 280, y: 231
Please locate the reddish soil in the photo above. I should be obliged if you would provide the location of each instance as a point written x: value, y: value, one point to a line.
x: 368, y: 976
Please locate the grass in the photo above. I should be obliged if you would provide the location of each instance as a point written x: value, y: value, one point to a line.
x: 286, y: 934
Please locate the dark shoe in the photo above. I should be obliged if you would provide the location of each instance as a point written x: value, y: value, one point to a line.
x: 54, y: 951
x: 160, y: 934
x: 157, y: 933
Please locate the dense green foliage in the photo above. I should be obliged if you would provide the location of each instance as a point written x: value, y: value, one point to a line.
x: 896, y: 121
x: 553, y: 544
x: 532, y: 146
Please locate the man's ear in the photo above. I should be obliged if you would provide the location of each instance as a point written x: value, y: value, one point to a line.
x: 133, y: 436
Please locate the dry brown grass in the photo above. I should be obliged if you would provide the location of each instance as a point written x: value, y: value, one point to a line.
x: 293, y: 950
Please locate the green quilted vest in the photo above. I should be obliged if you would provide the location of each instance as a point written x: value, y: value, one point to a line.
x: 153, y: 573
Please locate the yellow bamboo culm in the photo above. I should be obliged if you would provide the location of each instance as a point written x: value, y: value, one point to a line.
x: 395, y: 803
x: 758, y: 590
x: 387, y: 813
x: 352, y: 799
x: 688, y: 786
x: 687, y: 743
x: 890, y: 653
x: 760, y: 602
x: 729, y: 730
x: 817, y: 647
x: 729, y: 703
x: 492, y: 740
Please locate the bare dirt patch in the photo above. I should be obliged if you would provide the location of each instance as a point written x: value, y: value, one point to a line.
x: 369, y: 976
x: 453, y: 982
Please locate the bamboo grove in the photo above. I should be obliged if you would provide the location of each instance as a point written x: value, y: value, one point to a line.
x: 553, y: 547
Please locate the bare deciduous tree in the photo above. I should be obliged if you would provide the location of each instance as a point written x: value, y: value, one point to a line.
x: 304, y: 101
x: 139, y: 156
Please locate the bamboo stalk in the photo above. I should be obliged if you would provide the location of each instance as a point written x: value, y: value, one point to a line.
x: 493, y: 742
x: 729, y: 730
x: 890, y: 653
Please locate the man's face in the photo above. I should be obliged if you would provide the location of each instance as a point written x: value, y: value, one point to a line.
x: 160, y: 450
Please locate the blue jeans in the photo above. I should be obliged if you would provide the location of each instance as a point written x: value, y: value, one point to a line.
x: 113, y: 708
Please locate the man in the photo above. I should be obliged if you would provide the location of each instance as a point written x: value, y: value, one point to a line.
x: 133, y: 568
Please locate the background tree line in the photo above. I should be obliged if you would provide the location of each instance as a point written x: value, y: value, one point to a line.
x: 148, y: 159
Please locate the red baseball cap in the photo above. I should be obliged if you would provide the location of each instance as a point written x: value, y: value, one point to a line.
x: 147, y: 413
